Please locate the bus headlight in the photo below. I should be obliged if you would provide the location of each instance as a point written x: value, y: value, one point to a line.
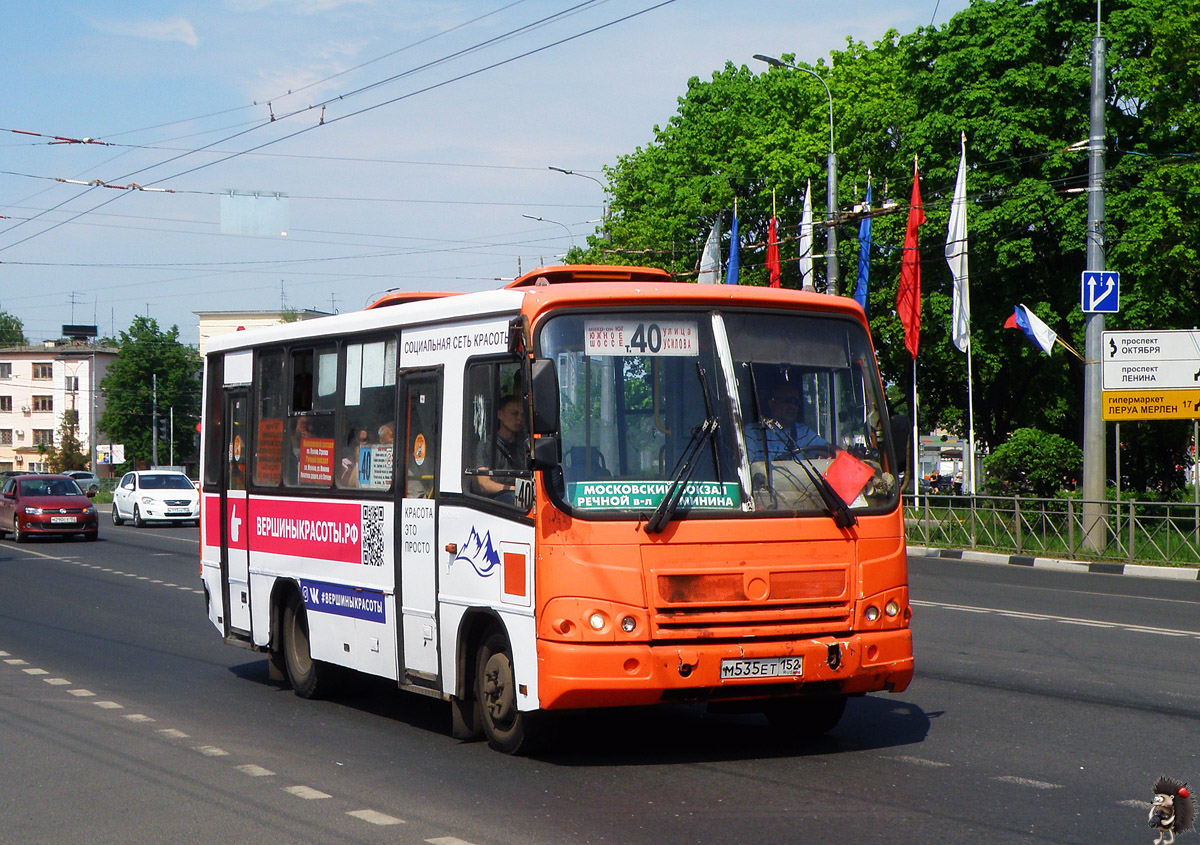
x: 628, y: 624
x: 872, y: 613
x: 597, y: 620
x: 891, y: 608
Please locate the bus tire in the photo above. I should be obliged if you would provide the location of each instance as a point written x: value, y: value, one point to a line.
x: 805, y: 718
x: 507, y: 728
x: 308, y: 677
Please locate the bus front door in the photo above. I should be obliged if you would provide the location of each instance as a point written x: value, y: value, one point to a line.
x: 235, y: 539
x: 417, y: 483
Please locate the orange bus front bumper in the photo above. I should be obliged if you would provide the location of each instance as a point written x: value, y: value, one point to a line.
x: 575, y: 675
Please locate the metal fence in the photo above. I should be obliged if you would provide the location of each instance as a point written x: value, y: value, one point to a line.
x: 1147, y: 532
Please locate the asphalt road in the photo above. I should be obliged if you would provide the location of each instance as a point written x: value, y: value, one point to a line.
x: 1045, y: 705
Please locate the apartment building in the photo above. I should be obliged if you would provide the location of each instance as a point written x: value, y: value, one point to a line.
x: 37, y: 385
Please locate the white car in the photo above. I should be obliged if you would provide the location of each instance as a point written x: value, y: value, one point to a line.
x: 154, y: 495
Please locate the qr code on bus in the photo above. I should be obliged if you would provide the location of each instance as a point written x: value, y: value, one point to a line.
x: 372, y: 535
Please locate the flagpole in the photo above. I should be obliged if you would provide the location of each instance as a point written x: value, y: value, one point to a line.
x: 970, y: 461
x: 916, y: 437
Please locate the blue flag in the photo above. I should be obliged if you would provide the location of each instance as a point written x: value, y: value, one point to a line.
x: 731, y: 273
x: 864, y: 253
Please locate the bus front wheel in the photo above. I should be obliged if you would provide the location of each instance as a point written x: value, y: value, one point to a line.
x: 507, y: 728
x: 307, y: 676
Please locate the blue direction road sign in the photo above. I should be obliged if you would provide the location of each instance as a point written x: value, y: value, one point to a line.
x: 1101, y: 291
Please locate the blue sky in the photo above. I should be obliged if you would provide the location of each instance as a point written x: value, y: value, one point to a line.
x: 400, y: 188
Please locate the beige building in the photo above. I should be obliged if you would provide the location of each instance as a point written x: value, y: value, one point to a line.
x: 219, y: 322
x: 39, y: 383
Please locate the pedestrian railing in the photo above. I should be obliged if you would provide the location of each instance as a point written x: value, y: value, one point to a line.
x: 1144, y: 532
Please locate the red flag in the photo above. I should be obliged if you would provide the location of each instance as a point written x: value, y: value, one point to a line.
x: 908, y: 295
x: 773, y: 252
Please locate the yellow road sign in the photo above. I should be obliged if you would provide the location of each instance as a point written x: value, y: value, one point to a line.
x: 1122, y: 405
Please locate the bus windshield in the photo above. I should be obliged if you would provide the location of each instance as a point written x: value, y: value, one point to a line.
x: 736, y: 413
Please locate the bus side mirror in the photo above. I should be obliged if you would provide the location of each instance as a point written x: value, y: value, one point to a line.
x: 546, y: 453
x: 901, y: 431
x: 544, y: 391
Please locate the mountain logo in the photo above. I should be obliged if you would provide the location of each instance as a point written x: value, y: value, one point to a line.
x: 480, y: 553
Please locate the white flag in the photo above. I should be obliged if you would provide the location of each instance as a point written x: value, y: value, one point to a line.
x: 806, y: 240
x: 710, y: 259
x: 956, y: 257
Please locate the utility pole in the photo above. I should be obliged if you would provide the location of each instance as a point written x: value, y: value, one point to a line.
x: 1095, y: 507
x: 154, y: 422
x: 172, y: 429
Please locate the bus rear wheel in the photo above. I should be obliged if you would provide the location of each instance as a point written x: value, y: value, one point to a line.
x: 805, y: 718
x: 507, y: 728
x: 307, y: 676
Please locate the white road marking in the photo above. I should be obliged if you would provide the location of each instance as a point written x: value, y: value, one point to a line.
x: 374, y: 817
x: 109, y: 705
x: 920, y: 761
x: 138, y: 717
x: 448, y: 840
x: 16, y: 661
x: 1035, y: 784
x: 1133, y: 802
x: 211, y: 751
x: 3, y: 654
x: 35, y: 671
x: 1049, y: 617
x: 57, y: 682
x: 255, y: 771
x: 173, y: 733
x: 306, y: 792
x: 82, y: 693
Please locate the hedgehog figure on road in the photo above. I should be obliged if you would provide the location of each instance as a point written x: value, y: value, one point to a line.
x: 1172, y: 811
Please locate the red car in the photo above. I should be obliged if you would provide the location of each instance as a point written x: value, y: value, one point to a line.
x: 41, y: 505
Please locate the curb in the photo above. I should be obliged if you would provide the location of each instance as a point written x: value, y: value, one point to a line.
x: 1136, y: 570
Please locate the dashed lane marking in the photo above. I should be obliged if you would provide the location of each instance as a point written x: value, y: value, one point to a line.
x: 921, y: 761
x: 255, y: 771
x: 307, y: 793
x: 375, y: 817
x: 1033, y: 784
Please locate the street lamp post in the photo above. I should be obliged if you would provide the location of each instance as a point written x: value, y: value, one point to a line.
x: 832, y: 283
x: 556, y: 223
x: 603, y: 202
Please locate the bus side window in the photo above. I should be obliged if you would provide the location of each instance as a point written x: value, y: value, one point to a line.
x: 310, y: 452
x: 494, y: 407
x: 272, y: 409
x: 365, y: 443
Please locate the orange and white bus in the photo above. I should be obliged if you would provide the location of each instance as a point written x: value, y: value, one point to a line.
x: 594, y: 487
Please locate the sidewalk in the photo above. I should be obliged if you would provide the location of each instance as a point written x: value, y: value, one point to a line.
x: 1137, y: 570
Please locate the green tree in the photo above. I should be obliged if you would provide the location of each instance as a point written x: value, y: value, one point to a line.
x: 1014, y: 76
x: 1033, y: 462
x: 68, y: 455
x: 12, y: 330
x: 149, y: 356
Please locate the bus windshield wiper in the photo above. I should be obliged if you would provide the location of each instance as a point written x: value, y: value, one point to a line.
x: 834, y: 503
x: 680, y: 478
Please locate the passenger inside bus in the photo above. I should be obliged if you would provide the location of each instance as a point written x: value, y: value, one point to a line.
x: 503, y: 450
x: 348, y: 476
x: 782, y: 430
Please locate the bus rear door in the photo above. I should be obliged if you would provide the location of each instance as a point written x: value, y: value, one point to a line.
x: 235, y: 533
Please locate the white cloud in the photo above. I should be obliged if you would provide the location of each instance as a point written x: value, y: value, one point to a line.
x: 174, y: 29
